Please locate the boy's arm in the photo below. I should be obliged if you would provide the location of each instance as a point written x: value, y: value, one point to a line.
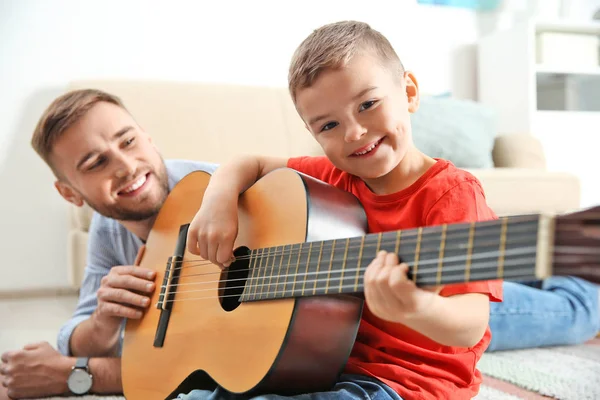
x: 460, y: 320
x: 454, y: 315
x: 213, y: 230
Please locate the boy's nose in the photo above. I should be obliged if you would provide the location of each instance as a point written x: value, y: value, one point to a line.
x: 354, y: 132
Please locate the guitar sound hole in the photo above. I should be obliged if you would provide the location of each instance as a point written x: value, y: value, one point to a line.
x: 233, y: 280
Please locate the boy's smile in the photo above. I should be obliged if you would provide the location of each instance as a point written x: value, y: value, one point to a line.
x: 367, y: 150
x: 360, y: 115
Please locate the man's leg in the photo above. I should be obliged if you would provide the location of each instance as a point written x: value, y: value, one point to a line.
x: 350, y: 387
x: 563, y: 311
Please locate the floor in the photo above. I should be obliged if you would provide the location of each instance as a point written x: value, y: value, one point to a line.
x: 36, y: 319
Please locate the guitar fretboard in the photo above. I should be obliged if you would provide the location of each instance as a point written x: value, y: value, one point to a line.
x: 501, y: 249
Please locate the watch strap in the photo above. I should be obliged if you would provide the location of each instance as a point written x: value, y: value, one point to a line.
x: 82, y: 362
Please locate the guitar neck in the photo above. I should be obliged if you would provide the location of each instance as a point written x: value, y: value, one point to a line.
x: 510, y: 248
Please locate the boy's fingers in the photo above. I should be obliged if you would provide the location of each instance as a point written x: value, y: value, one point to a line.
x: 391, y: 259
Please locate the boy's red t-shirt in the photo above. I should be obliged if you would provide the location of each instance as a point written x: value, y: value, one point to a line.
x: 415, y: 366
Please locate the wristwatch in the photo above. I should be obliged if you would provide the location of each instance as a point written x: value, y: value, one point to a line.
x: 80, y: 379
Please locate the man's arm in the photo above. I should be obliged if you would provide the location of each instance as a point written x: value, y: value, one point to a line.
x: 101, y: 258
x: 100, y: 334
x: 38, y: 370
x: 107, y: 375
x: 95, y: 328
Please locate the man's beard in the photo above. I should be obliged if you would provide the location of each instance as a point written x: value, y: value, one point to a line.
x: 143, y: 211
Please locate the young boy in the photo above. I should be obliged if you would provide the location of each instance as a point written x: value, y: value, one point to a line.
x: 352, y: 92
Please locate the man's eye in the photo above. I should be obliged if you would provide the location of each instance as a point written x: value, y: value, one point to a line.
x: 329, y: 126
x: 96, y: 164
x: 366, y: 105
x: 129, y: 141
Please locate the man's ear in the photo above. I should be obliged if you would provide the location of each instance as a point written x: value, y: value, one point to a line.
x: 68, y: 193
x: 412, y: 91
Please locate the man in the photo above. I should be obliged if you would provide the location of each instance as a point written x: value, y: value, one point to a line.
x: 102, y: 157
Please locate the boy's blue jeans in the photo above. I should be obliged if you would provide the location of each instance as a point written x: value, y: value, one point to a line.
x: 565, y: 311
x: 351, y: 387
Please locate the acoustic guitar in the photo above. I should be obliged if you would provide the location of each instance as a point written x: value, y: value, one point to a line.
x: 283, y: 317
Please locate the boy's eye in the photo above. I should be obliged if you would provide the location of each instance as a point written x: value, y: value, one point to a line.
x: 129, y: 141
x: 329, y: 126
x: 366, y: 105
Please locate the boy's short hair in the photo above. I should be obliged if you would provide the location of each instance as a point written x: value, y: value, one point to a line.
x: 332, y: 46
x: 63, y: 113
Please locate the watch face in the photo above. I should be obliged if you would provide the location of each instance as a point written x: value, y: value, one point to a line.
x: 80, y: 381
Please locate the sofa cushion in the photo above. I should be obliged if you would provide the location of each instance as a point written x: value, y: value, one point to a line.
x: 518, y: 151
x: 461, y: 131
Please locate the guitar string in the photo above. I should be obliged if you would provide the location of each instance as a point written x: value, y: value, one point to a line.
x: 511, y: 274
x: 443, y: 269
x: 558, y: 256
x: 352, y: 245
x: 477, y: 267
x: 293, y: 248
x: 420, y: 272
x: 406, y: 236
x: 315, y: 251
x: 571, y: 250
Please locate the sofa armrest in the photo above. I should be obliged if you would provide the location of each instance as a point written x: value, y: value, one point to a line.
x: 512, y: 191
x: 518, y: 151
x: 76, y: 256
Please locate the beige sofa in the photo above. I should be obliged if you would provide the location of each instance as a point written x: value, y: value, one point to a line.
x: 218, y: 122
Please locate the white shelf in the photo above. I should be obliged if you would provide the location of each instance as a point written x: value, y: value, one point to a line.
x: 550, y: 69
x: 585, y: 27
x: 571, y: 118
x: 528, y: 87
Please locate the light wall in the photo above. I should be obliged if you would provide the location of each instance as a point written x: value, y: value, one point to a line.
x: 45, y: 44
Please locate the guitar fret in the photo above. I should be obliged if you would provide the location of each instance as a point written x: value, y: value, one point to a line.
x: 272, y: 269
x: 469, y: 252
x: 441, y: 255
x: 287, y: 272
x: 378, y: 243
x: 262, y: 270
x: 330, y: 265
x: 255, y: 275
x: 252, y: 279
x: 307, y: 265
x: 397, y: 248
x: 297, y: 266
x: 360, y: 253
x: 344, y: 265
x: 502, y: 248
x: 417, y: 251
x: 317, y: 272
x: 266, y: 274
x: 279, y: 271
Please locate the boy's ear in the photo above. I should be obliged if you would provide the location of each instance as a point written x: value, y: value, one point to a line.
x: 68, y: 193
x: 412, y: 91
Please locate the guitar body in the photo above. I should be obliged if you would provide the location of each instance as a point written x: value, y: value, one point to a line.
x: 280, y: 346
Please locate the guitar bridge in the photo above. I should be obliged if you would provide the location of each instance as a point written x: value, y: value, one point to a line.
x: 168, y: 289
